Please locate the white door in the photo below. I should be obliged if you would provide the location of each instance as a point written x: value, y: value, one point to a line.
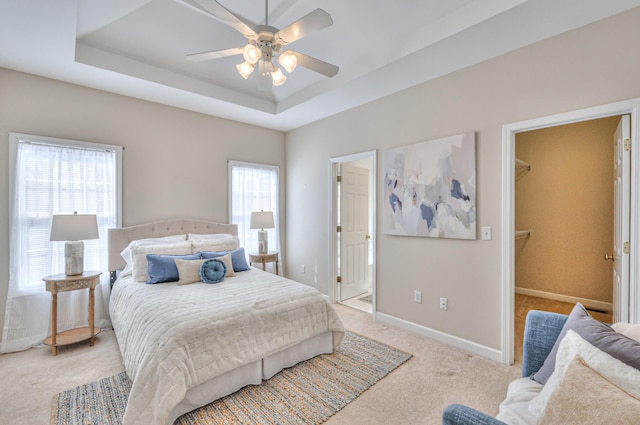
x: 354, y: 237
x: 621, y: 208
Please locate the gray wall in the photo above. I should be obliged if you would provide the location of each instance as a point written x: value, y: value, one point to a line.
x: 174, y: 162
x: 589, y: 66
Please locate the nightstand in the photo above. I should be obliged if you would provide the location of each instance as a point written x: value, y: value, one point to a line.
x: 61, y: 283
x: 269, y: 257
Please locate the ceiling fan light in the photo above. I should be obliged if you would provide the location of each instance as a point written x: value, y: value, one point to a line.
x: 251, y: 54
x: 245, y: 69
x: 288, y: 60
x: 278, y: 77
x: 265, y: 67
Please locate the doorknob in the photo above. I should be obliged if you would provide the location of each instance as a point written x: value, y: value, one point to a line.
x: 368, y: 237
x: 609, y: 257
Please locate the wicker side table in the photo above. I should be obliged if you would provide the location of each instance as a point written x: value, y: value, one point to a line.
x: 269, y: 257
x: 62, y: 283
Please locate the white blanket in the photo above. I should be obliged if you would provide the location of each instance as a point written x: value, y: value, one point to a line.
x: 514, y: 410
x: 173, y: 338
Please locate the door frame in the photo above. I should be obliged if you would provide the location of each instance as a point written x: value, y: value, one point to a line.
x: 334, y: 295
x: 631, y: 107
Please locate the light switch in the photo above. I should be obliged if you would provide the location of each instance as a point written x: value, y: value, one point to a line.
x: 486, y: 233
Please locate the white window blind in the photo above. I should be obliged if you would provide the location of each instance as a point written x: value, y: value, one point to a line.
x: 254, y: 187
x: 54, y: 176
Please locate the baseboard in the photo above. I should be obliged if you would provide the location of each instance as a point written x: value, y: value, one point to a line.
x: 470, y: 346
x: 589, y: 304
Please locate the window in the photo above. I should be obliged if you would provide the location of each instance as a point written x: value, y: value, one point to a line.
x: 56, y: 176
x: 253, y: 187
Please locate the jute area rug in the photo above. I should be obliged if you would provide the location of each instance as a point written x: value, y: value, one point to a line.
x: 308, y: 393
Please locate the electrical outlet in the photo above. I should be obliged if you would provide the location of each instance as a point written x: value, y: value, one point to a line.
x: 302, y: 269
x: 444, y: 303
x: 417, y: 296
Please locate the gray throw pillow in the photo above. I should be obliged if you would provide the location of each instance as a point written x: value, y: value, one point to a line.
x: 597, y: 334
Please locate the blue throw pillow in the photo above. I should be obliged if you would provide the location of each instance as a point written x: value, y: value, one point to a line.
x: 238, y: 258
x: 162, y: 268
x: 213, y: 271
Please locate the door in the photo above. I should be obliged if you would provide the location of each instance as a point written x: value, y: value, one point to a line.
x: 354, y: 228
x: 621, y: 208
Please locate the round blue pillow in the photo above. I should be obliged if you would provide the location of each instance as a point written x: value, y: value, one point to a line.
x: 213, y: 271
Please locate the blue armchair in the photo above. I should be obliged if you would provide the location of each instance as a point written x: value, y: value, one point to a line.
x: 540, y: 334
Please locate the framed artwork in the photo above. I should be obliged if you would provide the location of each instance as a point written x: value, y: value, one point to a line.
x: 430, y: 188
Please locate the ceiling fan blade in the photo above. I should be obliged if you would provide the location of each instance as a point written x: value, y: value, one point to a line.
x: 205, y: 56
x: 224, y: 15
x: 314, y: 21
x: 316, y: 65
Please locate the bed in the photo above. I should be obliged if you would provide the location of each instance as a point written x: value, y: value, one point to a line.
x: 184, y: 346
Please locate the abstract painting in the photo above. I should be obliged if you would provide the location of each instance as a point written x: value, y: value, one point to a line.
x: 430, y: 188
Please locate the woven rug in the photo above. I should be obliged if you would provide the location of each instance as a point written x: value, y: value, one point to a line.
x: 307, y: 393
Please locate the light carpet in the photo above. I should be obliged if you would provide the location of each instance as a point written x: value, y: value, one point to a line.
x: 416, y: 393
x: 308, y: 393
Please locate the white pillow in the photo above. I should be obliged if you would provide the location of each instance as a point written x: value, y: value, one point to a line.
x: 627, y: 329
x: 619, y: 373
x: 139, y: 256
x: 217, y: 245
x: 208, y: 236
x: 126, y: 253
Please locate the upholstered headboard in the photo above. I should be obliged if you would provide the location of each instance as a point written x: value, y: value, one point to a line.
x: 120, y: 238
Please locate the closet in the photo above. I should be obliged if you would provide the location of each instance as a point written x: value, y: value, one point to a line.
x: 564, y: 212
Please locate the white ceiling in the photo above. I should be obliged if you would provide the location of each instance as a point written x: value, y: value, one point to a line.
x: 138, y: 47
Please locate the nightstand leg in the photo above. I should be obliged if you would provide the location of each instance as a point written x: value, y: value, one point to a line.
x: 92, y: 301
x: 54, y: 323
x: 264, y: 264
x: 277, y: 267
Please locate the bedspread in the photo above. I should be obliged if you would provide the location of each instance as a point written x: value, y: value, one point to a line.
x: 173, y: 338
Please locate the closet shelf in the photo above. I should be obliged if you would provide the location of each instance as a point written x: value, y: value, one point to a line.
x: 522, y: 234
x: 522, y: 165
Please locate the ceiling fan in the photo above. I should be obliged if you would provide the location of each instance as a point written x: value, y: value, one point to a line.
x: 265, y: 42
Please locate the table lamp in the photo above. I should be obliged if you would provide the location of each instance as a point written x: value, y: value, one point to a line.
x: 262, y: 220
x: 73, y: 229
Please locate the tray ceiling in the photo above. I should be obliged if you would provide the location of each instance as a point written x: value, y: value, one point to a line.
x: 138, y: 48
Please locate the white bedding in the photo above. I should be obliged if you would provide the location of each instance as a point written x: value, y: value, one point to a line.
x: 173, y: 338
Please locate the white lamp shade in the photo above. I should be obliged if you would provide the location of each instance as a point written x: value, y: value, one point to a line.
x: 74, y: 227
x: 278, y: 77
x: 251, y: 53
x: 288, y: 60
x: 262, y: 220
x: 245, y: 69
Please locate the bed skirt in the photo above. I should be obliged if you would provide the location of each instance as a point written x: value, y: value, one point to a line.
x: 252, y: 374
